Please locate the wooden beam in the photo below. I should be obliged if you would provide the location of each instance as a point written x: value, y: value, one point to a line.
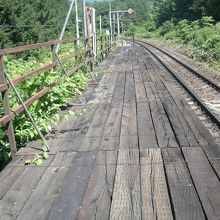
x: 7, y: 110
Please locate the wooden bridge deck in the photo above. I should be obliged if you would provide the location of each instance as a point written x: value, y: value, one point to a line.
x: 139, y: 151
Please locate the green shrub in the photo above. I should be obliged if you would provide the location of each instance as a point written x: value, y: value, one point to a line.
x: 45, y: 110
x: 199, y: 39
x: 166, y: 27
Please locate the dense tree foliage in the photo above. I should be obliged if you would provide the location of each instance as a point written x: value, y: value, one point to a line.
x: 28, y: 21
x: 177, y: 10
x: 163, y: 10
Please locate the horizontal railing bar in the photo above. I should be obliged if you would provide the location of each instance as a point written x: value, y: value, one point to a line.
x: 4, y: 87
x: 14, y: 50
x: 5, y: 119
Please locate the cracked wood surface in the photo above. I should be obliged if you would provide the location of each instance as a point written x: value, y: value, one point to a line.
x: 136, y: 151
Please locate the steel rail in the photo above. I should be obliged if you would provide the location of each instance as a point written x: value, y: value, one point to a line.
x: 186, y: 66
x: 199, y: 101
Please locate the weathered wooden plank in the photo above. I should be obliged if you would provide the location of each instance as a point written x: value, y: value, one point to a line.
x: 112, y: 126
x: 172, y: 155
x: 153, y: 71
x: 108, y: 157
x: 162, y: 91
x: 149, y: 141
x: 129, y: 87
x: 129, y: 122
x: 216, y: 166
x: 119, y: 91
x: 146, y: 133
x: 143, y: 113
x: 126, y: 200
x: 164, y: 132
x: 135, y: 61
x: 154, y: 193
x: 13, y: 201
x: 201, y: 134
x: 82, y: 144
x: 81, y: 126
x: 137, y: 76
x: 96, y: 127
x: 98, y: 196
x: 180, y: 126
x: 70, y: 196
x: 145, y: 76
x: 128, y: 142
x: 186, y: 204
x: 128, y: 156
x: 109, y: 89
x: 206, y: 182
x: 39, y: 203
x: 141, y: 95
x: 121, y: 78
x: 64, y: 159
x: 8, y: 177
x: 151, y: 156
x: 99, y: 90
x: 152, y: 93
x: 109, y: 143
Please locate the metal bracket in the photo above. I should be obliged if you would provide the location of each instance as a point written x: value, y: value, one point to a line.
x: 27, y: 111
x: 65, y: 72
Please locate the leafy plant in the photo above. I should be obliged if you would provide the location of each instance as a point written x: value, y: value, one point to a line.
x: 46, y: 110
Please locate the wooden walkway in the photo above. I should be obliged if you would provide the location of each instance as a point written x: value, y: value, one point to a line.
x: 139, y: 151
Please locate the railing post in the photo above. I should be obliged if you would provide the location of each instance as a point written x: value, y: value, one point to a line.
x: 91, y: 56
x: 101, y: 42
x: 86, y: 47
x: 133, y: 38
x: 76, y: 43
x: 53, y: 56
x: 110, y: 40
x: 7, y: 110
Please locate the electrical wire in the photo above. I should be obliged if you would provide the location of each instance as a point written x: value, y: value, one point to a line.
x: 29, y: 26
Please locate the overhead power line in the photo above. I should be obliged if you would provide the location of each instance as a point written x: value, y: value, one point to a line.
x: 33, y: 25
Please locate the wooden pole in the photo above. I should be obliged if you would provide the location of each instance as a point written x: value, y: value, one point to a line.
x: 53, y: 57
x: 7, y: 110
x: 101, y: 42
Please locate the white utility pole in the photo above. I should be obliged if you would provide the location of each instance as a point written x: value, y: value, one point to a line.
x: 119, y: 14
x: 100, y: 25
x: 77, y: 21
x: 113, y: 23
x: 118, y: 24
x: 93, y: 32
x: 85, y: 23
x: 110, y: 20
x: 65, y: 24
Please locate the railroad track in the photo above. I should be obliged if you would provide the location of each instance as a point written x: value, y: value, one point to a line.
x: 204, y: 91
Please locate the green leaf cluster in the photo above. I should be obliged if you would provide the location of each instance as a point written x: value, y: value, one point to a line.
x: 30, y: 21
x: 46, y: 110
